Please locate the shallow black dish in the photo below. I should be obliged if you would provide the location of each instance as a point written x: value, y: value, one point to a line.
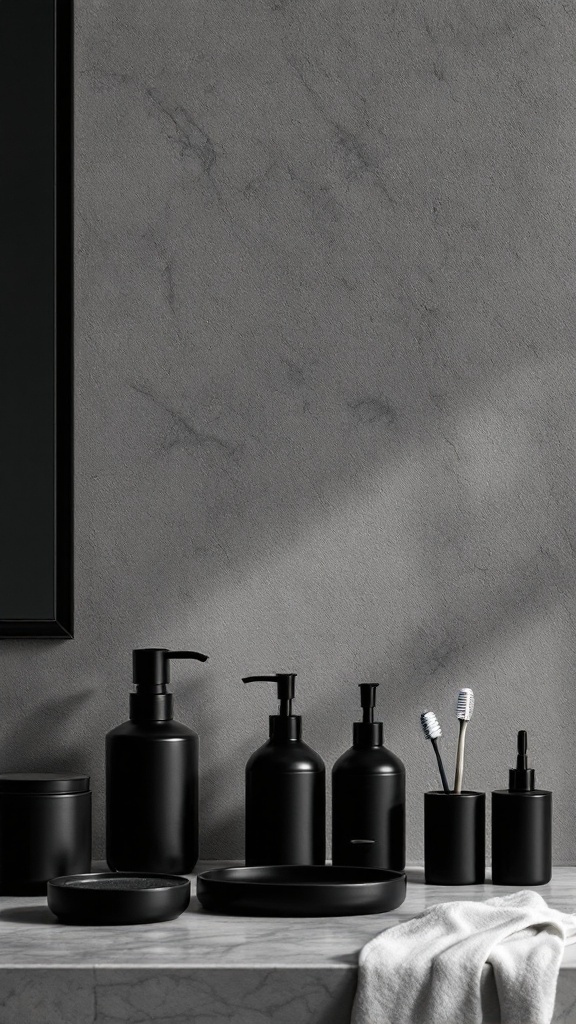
x: 301, y: 891
x: 118, y: 897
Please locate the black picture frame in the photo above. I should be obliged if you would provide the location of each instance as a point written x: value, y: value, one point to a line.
x: 27, y: 27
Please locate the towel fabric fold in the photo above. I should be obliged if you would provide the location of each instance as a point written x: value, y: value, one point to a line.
x: 428, y: 970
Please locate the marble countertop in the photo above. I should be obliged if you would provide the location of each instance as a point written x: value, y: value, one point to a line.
x: 31, y: 937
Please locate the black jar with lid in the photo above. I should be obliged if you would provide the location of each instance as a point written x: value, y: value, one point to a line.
x: 45, y: 830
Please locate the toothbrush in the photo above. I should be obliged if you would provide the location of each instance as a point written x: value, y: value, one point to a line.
x: 433, y: 732
x: 464, y: 709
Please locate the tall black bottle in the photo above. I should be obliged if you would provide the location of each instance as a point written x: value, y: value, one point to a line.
x: 521, y: 827
x: 285, y: 790
x: 368, y: 797
x: 152, y: 777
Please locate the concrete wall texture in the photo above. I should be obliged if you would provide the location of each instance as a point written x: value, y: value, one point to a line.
x: 325, y: 420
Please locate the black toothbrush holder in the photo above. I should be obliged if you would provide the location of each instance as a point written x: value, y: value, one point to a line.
x: 454, y: 838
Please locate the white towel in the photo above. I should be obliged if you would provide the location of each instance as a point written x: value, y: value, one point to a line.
x: 428, y: 970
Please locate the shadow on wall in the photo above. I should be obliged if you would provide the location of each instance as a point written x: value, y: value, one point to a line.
x: 221, y: 806
x: 474, y: 585
x: 325, y: 311
x: 47, y: 737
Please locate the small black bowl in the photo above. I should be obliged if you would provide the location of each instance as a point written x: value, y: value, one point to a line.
x: 301, y: 891
x: 117, y: 897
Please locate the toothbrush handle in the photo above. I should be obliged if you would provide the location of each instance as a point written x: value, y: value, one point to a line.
x: 441, y: 767
x: 460, y: 758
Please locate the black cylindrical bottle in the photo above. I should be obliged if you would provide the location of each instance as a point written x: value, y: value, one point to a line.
x: 521, y: 827
x: 368, y: 798
x: 152, y: 777
x: 285, y: 790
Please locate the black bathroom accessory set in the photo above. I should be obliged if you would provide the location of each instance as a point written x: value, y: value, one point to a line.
x: 152, y: 820
x: 455, y: 820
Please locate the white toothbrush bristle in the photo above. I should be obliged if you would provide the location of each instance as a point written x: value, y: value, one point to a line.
x: 465, y: 704
x: 430, y: 725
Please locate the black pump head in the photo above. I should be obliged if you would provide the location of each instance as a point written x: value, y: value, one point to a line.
x: 284, y: 725
x: 521, y: 777
x: 150, y: 667
x: 150, y: 672
x: 368, y: 733
x: 285, y: 688
x: 368, y: 700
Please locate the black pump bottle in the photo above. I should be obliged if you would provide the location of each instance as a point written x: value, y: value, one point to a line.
x: 152, y: 777
x: 285, y: 790
x: 368, y: 797
x: 521, y: 827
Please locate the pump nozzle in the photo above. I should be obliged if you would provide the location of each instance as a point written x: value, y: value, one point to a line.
x: 150, y: 667
x: 521, y: 777
x: 368, y: 733
x: 151, y: 699
x: 285, y: 688
x: 284, y: 725
x: 187, y: 654
x: 368, y: 700
x: 522, y: 755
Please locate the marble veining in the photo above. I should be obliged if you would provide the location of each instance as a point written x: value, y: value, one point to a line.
x: 29, y: 935
x: 217, y: 968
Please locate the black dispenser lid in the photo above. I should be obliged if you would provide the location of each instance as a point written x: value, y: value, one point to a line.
x: 368, y: 733
x: 521, y: 778
x: 151, y: 700
x: 284, y: 725
x: 33, y: 783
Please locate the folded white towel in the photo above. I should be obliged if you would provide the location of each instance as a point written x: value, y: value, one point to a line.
x: 428, y: 970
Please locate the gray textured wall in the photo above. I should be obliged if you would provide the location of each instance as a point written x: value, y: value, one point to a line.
x: 325, y: 383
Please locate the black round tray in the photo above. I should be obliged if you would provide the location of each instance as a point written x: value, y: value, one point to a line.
x: 118, y: 897
x: 301, y: 891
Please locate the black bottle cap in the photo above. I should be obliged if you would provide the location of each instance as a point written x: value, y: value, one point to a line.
x: 283, y: 726
x: 368, y: 733
x: 151, y: 700
x: 521, y: 778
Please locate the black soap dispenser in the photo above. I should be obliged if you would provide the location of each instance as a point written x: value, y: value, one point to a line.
x: 152, y: 776
x: 285, y: 790
x: 521, y: 827
x: 368, y: 797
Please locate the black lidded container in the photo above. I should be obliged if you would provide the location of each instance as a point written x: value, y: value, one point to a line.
x: 285, y: 790
x: 152, y: 777
x: 45, y: 830
x: 521, y: 827
x: 454, y: 838
x: 368, y: 798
